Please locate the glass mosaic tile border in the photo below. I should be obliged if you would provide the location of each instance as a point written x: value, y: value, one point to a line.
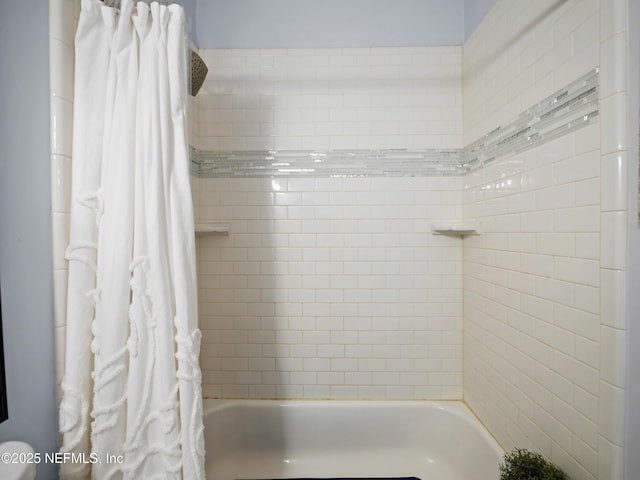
x: 335, y: 163
x: 567, y: 110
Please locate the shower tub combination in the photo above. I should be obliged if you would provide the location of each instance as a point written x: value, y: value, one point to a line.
x: 271, y: 439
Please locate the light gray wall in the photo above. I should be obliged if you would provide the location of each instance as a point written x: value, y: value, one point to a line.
x: 25, y: 228
x: 328, y: 23
x: 474, y: 12
x: 190, y: 15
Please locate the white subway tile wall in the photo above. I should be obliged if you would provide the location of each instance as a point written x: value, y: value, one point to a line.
x: 331, y: 98
x: 331, y: 288
x: 63, y: 16
x: 544, y: 333
x: 531, y: 301
x: 614, y: 257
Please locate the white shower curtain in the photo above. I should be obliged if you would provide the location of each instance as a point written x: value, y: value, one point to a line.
x: 132, y: 403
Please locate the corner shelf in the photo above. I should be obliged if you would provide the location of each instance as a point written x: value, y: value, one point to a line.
x: 455, y: 229
x: 212, y: 228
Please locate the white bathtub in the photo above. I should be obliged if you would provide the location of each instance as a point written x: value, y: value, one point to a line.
x: 269, y: 439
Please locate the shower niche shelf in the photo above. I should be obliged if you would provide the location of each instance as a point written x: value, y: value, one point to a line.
x: 210, y: 228
x: 455, y: 229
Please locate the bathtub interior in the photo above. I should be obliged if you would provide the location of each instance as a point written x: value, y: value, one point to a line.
x: 258, y: 439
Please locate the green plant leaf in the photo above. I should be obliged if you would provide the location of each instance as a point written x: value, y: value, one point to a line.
x: 522, y: 464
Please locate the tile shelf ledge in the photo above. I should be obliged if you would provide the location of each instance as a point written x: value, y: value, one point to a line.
x: 455, y: 229
x: 212, y: 228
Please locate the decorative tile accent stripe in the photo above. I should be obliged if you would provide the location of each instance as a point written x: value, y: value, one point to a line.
x: 336, y: 163
x: 567, y: 110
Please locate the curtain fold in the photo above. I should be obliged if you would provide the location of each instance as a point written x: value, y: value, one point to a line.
x: 131, y: 388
